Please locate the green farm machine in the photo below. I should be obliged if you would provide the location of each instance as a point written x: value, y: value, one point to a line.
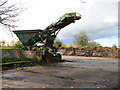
x: 30, y: 38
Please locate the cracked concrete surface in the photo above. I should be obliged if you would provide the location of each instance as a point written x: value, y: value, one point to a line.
x: 76, y: 72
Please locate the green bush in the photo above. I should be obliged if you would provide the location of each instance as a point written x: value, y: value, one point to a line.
x: 57, y: 44
x: 18, y: 45
x: 64, y: 46
x: 78, y: 47
x: 7, y: 59
x: 41, y: 48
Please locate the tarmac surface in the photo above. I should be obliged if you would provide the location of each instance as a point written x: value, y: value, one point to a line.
x: 75, y: 72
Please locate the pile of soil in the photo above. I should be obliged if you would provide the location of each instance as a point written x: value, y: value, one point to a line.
x: 92, y: 52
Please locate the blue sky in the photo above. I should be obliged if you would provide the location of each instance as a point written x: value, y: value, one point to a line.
x: 99, y: 19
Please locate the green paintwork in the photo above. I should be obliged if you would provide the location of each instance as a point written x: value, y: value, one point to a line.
x: 48, y: 35
x: 30, y: 37
x: 25, y: 35
x: 63, y: 17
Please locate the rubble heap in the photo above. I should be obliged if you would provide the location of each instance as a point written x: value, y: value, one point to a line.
x: 92, y: 52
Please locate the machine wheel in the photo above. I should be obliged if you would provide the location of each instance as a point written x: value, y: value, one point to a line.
x: 43, y: 57
x: 59, y: 56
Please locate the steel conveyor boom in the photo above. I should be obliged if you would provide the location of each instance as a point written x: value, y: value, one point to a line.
x: 53, y: 28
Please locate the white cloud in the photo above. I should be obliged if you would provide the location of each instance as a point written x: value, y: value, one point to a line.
x: 110, y: 20
x: 108, y: 41
x: 97, y: 15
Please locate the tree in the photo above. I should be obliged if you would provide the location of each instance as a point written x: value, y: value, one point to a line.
x: 8, y: 13
x: 12, y: 43
x: 94, y: 44
x: 81, y: 39
x: 114, y: 46
x: 57, y: 43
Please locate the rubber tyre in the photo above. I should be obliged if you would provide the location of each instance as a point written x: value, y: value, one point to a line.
x: 59, y: 56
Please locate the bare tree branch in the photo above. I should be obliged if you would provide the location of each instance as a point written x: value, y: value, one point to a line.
x: 8, y: 14
x: 3, y: 3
